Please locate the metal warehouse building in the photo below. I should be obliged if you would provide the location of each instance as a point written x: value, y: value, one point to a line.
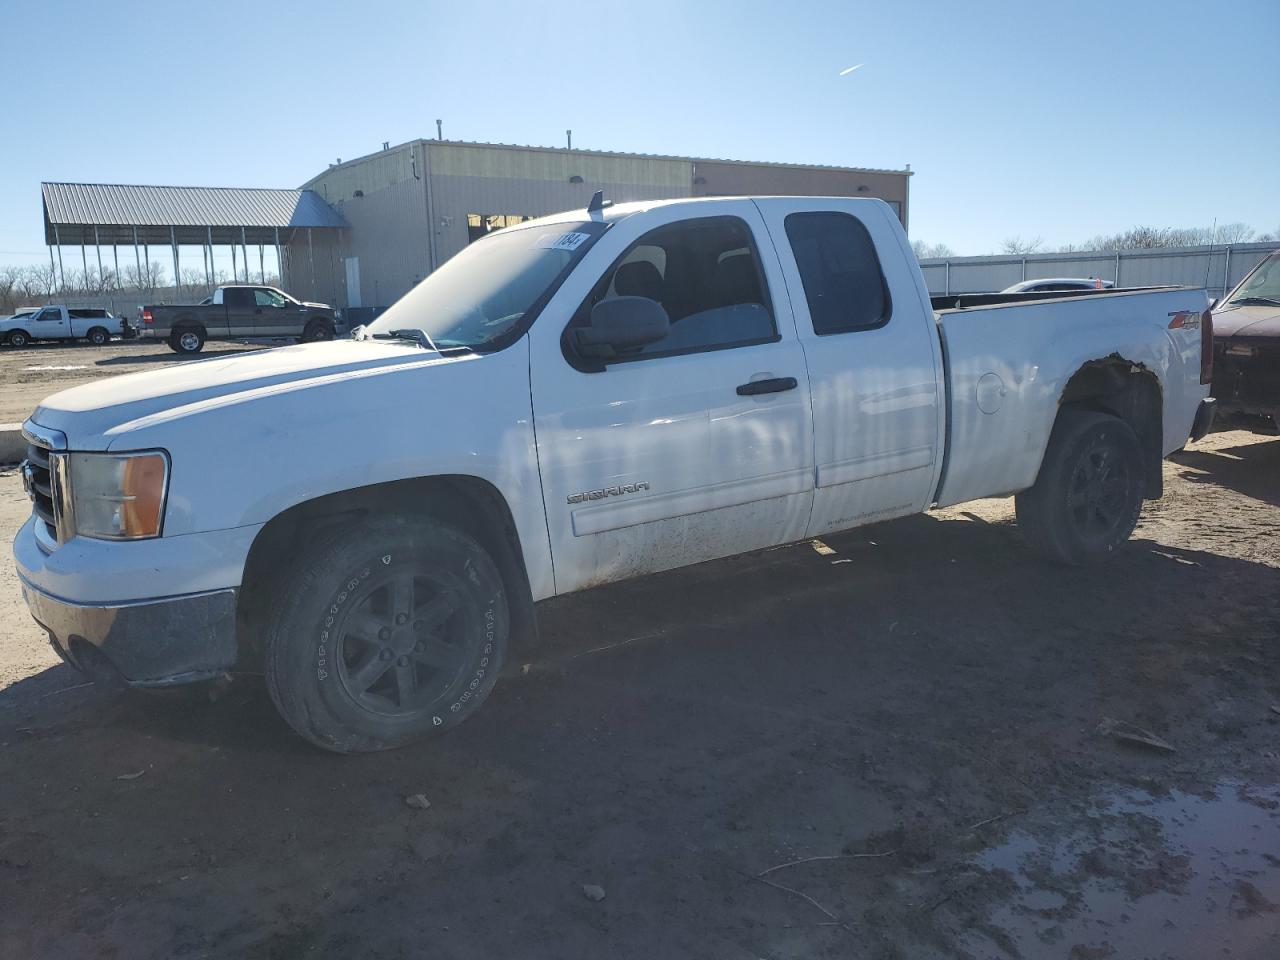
x: 410, y: 208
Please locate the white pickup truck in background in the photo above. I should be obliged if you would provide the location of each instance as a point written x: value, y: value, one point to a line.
x: 568, y: 402
x: 61, y: 323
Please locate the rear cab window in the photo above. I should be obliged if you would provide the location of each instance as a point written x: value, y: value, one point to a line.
x: 706, y: 274
x: 844, y: 284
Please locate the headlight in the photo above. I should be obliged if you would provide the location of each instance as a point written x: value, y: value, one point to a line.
x: 115, y: 496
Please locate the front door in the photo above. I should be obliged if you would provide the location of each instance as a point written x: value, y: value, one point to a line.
x: 50, y: 324
x: 693, y: 447
x: 274, y: 316
x: 873, y: 355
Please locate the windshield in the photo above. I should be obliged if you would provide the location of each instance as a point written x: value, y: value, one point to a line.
x: 1261, y: 286
x: 485, y: 292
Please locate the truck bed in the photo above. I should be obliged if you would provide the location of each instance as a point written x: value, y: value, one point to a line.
x: 1009, y: 359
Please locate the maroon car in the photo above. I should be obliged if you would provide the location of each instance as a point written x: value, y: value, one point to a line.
x: 1246, y: 344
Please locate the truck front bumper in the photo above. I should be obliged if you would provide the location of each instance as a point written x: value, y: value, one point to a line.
x: 144, y: 643
x: 150, y: 613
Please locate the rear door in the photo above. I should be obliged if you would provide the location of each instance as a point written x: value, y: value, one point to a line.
x: 50, y: 324
x: 694, y: 447
x: 241, y: 311
x: 873, y: 356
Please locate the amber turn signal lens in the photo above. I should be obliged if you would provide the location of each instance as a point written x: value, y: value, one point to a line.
x: 143, y: 489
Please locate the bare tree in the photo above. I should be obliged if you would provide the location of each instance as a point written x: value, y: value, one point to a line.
x: 194, y: 282
x: 38, y: 283
x: 1020, y: 247
x: 1235, y: 233
x: 10, y: 278
x: 922, y: 250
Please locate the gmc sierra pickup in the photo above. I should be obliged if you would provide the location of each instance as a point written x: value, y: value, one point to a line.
x: 571, y: 401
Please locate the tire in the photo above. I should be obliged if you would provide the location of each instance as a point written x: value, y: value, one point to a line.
x: 316, y: 331
x: 385, y: 632
x: 98, y: 337
x: 18, y: 338
x: 1087, y: 498
x: 187, y: 340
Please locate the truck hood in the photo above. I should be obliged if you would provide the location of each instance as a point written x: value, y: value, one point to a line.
x: 1246, y: 321
x: 92, y: 415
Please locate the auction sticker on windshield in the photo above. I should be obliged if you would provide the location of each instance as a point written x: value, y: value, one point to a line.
x: 565, y: 241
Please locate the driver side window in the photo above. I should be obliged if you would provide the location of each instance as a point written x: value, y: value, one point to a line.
x: 706, y: 275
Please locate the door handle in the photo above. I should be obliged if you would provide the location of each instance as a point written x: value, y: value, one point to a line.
x: 774, y: 385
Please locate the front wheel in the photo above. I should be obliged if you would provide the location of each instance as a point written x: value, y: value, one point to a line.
x: 385, y: 632
x: 317, y: 331
x: 1088, y: 496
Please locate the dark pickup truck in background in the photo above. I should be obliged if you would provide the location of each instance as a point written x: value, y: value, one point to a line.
x: 236, y: 311
x: 1246, y: 343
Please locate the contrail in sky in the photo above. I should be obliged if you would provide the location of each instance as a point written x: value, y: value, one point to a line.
x: 848, y: 70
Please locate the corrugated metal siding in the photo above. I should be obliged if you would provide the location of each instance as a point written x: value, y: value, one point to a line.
x: 1218, y: 268
x: 117, y: 204
x: 453, y: 197
x: 514, y: 163
x: 375, y: 172
x: 737, y: 179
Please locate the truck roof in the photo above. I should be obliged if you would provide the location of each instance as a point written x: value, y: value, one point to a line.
x: 620, y: 211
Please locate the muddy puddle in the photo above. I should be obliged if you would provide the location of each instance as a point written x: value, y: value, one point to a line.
x: 1180, y: 875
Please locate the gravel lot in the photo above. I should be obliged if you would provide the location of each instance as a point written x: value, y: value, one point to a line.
x: 898, y: 750
x: 32, y: 373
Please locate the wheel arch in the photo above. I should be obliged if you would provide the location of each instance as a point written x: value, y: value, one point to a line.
x: 88, y: 334
x: 1132, y: 392
x: 470, y: 502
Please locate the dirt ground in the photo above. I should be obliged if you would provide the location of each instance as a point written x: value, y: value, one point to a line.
x: 909, y: 748
x: 33, y: 372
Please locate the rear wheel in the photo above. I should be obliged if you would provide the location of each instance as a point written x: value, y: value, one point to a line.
x: 98, y: 336
x: 18, y: 338
x: 1088, y: 496
x: 386, y: 631
x: 187, y: 340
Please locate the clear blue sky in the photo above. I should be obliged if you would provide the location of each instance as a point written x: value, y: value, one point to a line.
x: 1063, y: 120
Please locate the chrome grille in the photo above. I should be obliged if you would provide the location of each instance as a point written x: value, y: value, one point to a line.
x: 38, y: 479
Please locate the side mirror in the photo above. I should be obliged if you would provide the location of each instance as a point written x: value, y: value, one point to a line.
x: 620, y: 326
x: 1213, y: 303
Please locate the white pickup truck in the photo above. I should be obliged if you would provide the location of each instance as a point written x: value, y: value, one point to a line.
x: 60, y: 323
x: 573, y: 401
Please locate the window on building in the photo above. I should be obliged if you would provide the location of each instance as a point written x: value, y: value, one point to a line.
x: 843, y: 283
x: 482, y: 224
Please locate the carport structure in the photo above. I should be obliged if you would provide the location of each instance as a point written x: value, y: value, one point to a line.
x: 116, y: 215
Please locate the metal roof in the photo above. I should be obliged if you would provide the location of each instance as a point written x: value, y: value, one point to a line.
x: 116, y: 210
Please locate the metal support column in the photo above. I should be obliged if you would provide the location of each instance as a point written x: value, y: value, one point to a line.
x: 947, y: 282
x: 208, y: 268
x: 97, y: 249
x: 235, y: 275
x: 173, y: 242
x: 115, y: 257
x: 1226, y: 272
x: 84, y: 261
x: 62, y: 277
x: 1117, y: 280
x: 137, y: 261
x: 279, y: 258
x: 1024, y: 268
x: 244, y: 248
x: 262, y: 266
x: 311, y: 255
x: 146, y: 258
x: 53, y: 270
